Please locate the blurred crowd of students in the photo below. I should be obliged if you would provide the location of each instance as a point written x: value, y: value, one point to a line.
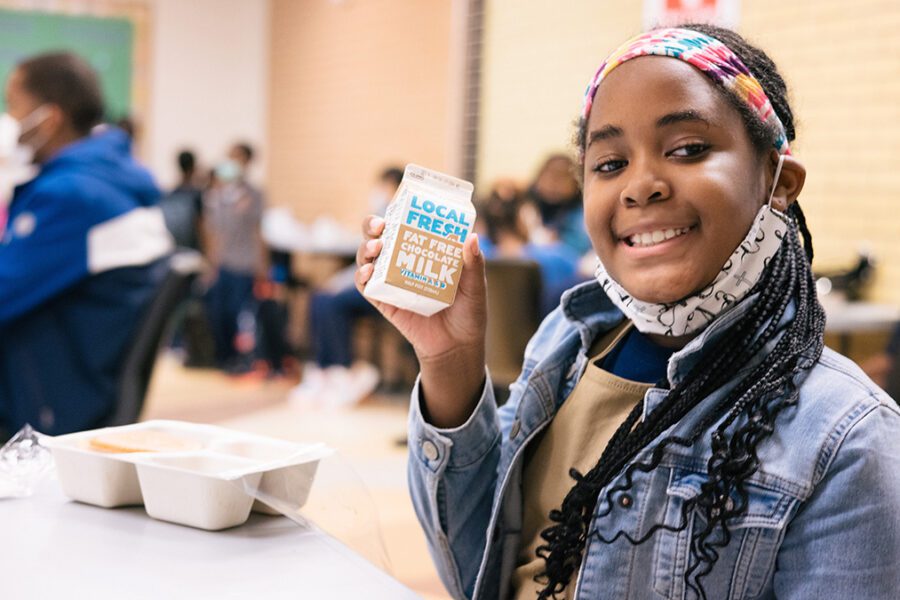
x: 219, y: 212
x: 69, y: 184
x: 241, y: 306
x: 541, y: 222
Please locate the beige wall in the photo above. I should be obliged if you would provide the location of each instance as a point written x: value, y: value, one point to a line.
x: 842, y: 65
x: 355, y: 85
x: 538, y: 57
x: 209, y: 83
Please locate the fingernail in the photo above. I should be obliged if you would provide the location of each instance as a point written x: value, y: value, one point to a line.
x: 371, y: 245
x: 377, y: 222
x: 476, y: 250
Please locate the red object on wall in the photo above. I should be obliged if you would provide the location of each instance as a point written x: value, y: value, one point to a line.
x: 690, y: 5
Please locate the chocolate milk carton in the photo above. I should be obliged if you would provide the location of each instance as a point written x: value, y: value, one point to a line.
x: 426, y: 225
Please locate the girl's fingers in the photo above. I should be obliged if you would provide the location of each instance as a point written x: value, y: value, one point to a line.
x: 368, y: 251
x: 362, y: 276
x: 471, y: 282
x: 373, y: 226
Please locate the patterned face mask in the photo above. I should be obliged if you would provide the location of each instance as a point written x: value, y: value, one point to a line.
x: 739, y: 274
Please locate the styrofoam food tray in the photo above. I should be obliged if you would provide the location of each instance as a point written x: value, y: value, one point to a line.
x: 206, y: 488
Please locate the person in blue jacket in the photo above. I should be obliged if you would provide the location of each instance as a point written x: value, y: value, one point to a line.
x: 81, y: 254
x: 679, y: 429
x: 507, y: 237
x: 557, y: 198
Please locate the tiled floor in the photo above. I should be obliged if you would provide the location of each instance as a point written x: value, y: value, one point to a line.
x: 367, y: 476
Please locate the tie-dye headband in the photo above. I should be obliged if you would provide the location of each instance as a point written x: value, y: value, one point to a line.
x: 709, y: 55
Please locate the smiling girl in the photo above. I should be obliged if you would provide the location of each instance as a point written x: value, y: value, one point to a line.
x: 679, y: 429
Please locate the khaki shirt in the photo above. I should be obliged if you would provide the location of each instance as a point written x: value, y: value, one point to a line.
x: 576, y: 438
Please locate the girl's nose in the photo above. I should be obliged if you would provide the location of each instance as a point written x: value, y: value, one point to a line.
x: 645, y: 186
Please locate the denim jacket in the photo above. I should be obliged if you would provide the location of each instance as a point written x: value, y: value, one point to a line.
x: 823, y: 516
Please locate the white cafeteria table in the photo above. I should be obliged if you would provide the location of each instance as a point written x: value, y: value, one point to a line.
x: 54, y: 547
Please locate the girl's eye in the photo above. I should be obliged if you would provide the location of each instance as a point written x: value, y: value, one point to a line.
x: 609, y: 166
x: 689, y: 150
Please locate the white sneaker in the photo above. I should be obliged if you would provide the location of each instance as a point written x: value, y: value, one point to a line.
x: 309, y: 391
x: 348, y: 387
x: 337, y: 389
x: 365, y: 379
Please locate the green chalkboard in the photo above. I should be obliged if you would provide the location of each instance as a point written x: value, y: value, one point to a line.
x: 106, y: 43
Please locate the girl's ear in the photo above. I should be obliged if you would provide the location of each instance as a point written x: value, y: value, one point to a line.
x: 790, y: 182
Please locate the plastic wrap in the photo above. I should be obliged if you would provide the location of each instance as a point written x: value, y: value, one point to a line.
x: 24, y: 462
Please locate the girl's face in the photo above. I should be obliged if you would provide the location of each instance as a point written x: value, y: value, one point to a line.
x: 672, y: 182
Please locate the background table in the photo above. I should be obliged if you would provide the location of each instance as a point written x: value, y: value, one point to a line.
x: 57, y: 548
x: 846, y: 319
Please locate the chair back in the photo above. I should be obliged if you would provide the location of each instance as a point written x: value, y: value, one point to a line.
x: 140, y: 357
x: 179, y: 209
x: 514, y: 299
x: 892, y: 387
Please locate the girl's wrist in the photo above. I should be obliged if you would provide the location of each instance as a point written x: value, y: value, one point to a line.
x: 451, y: 385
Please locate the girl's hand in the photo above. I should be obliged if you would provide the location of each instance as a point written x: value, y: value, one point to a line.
x: 448, y: 344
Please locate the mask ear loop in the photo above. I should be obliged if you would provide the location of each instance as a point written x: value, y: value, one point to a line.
x: 39, y: 115
x: 775, y: 180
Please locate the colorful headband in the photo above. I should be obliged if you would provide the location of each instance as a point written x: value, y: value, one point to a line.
x: 709, y: 55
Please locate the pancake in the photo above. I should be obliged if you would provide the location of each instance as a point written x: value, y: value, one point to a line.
x: 143, y: 440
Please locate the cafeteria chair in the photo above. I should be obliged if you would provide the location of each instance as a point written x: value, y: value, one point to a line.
x: 892, y: 385
x: 513, y: 315
x: 140, y: 357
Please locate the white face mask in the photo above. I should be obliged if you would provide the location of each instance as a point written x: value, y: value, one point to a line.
x: 228, y: 171
x: 16, y: 158
x: 739, y: 274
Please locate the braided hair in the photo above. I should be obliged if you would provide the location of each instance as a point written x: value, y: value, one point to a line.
x: 743, y: 418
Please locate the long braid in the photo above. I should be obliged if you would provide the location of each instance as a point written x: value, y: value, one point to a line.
x: 745, y: 414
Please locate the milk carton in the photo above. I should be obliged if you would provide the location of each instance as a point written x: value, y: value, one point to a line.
x: 426, y: 225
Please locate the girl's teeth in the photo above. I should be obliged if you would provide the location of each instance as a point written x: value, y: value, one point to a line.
x: 651, y: 238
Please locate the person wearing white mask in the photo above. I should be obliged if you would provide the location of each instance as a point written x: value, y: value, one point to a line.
x: 81, y: 252
x: 15, y: 159
x: 232, y: 215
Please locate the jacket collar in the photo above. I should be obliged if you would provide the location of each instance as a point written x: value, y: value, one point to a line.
x: 589, y: 309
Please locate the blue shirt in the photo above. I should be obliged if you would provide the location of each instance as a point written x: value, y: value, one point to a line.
x: 636, y: 358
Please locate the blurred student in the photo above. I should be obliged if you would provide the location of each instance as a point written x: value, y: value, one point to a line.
x: 234, y: 247
x: 81, y: 255
x: 273, y: 350
x: 182, y: 208
x: 507, y: 237
x: 881, y: 366
x: 333, y: 313
x: 183, y: 205
x: 556, y: 195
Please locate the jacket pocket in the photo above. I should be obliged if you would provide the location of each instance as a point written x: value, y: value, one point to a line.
x: 744, y: 566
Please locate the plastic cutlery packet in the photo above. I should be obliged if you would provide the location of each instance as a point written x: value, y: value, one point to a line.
x: 199, y: 475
